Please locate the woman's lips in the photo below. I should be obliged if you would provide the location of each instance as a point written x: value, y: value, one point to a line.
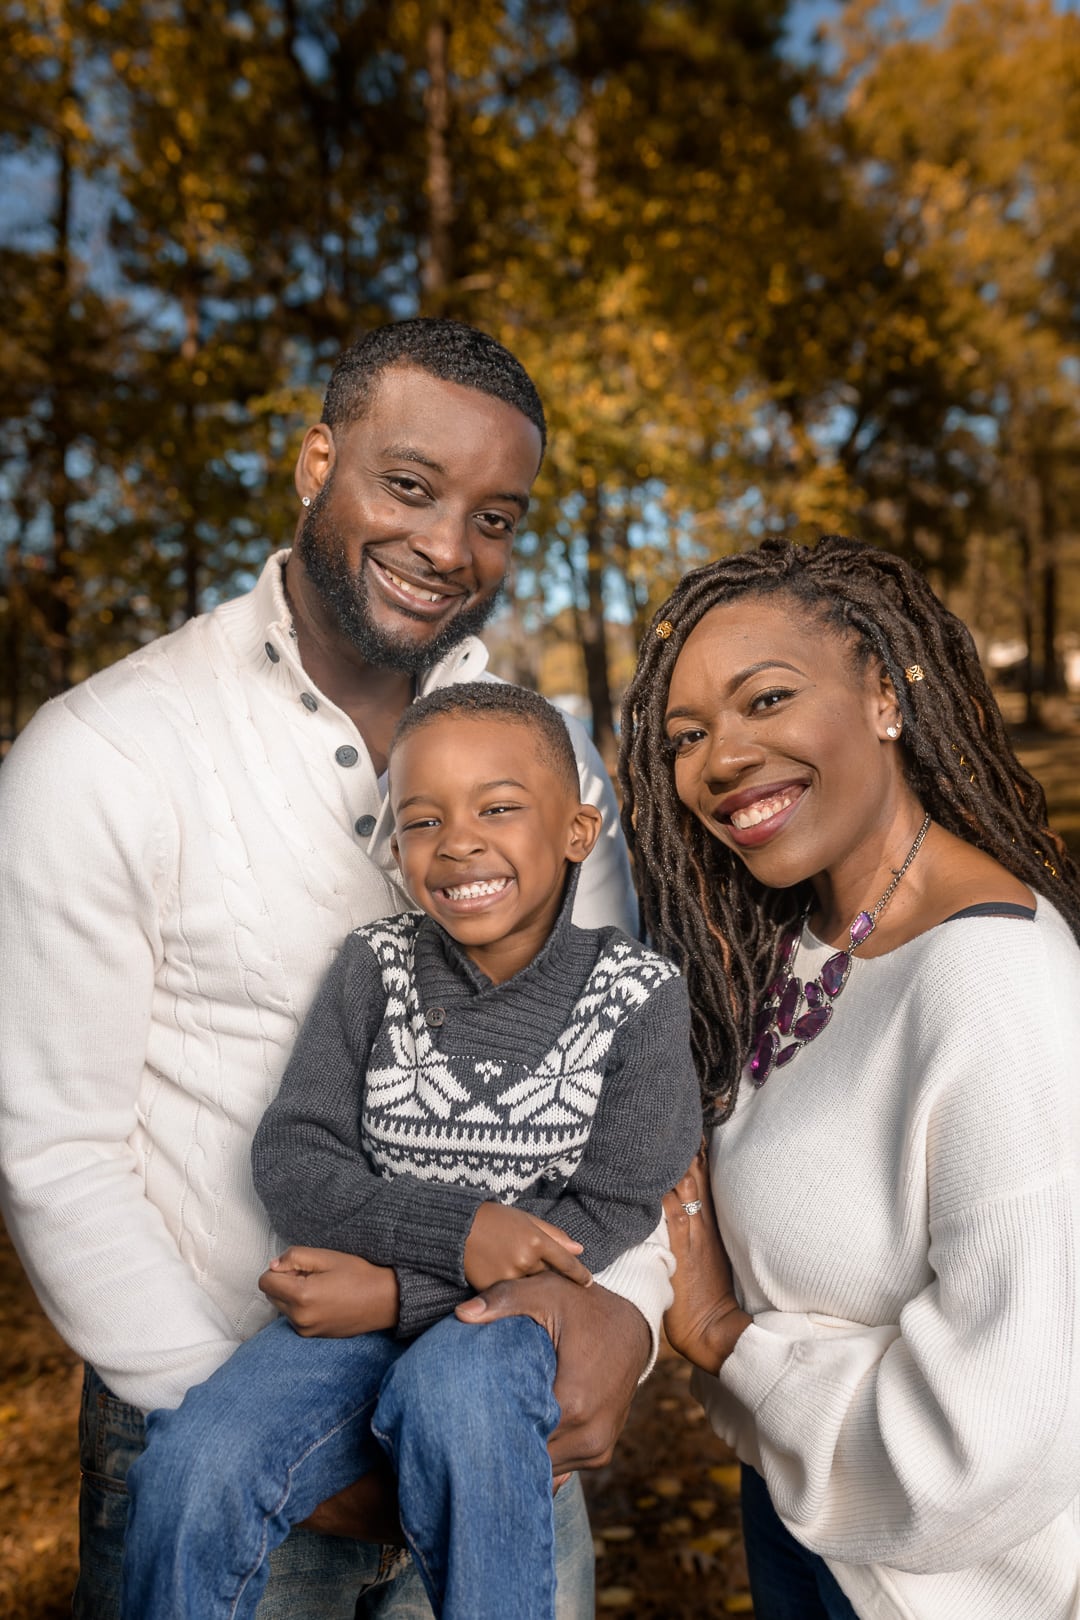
x: 753, y: 824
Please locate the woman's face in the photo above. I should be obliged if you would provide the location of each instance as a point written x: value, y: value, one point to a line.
x: 779, y: 739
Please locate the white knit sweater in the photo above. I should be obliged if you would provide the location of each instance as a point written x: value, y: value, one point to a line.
x: 185, y: 841
x: 900, y: 1204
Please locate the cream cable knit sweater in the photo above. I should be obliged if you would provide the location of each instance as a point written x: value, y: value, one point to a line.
x: 185, y: 840
x: 900, y: 1205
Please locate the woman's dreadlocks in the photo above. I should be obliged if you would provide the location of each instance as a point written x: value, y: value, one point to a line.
x: 699, y: 904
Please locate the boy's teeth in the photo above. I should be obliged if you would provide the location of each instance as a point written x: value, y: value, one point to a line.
x: 473, y: 891
x: 762, y: 810
x: 411, y: 590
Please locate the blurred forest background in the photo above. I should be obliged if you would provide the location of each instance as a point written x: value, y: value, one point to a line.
x: 775, y: 268
x: 767, y: 279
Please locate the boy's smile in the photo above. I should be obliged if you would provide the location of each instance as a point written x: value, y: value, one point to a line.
x: 485, y: 823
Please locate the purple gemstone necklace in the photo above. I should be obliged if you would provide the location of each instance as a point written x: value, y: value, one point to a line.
x: 780, y: 1012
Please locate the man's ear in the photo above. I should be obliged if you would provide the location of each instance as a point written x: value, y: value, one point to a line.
x: 315, y: 461
x: 583, y: 832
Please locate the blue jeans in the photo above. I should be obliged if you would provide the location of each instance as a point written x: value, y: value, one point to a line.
x: 312, y: 1577
x: 465, y: 1413
x: 787, y: 1580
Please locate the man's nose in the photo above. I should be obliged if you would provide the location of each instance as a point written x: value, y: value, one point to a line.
x: 445, y: 540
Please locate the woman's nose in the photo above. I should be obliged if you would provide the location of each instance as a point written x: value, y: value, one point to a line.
x: 729, y: 754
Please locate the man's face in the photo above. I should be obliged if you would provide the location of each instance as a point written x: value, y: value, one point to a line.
x: 408, y: 540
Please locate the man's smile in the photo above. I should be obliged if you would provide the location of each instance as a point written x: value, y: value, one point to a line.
x: 423, y: 595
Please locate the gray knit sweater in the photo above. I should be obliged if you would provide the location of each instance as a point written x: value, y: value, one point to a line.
x: 418, y: 1089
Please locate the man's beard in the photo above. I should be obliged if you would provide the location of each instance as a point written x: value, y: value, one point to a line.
x: 344, y: 594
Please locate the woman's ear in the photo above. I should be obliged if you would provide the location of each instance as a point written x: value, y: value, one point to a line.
x: 889, y: 720
x: 583, y: 832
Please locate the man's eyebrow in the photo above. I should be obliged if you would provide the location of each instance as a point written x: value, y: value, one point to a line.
x: 409, y: 452
x: 736, y: 681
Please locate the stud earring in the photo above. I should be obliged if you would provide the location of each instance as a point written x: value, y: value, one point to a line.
x: 892, y: 731
x: 305, y: 500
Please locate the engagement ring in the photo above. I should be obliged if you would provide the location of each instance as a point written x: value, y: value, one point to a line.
x: 693, y: 1208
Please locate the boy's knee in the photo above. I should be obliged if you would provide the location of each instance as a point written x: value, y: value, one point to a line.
x: 466, y: 1377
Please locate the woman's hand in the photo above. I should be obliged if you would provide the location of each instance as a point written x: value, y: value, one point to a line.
x: 328, y: 1295
x: 504, y: 1243
x: 706, y: 1319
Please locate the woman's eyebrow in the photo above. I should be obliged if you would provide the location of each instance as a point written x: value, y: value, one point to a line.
x: 736, y: 681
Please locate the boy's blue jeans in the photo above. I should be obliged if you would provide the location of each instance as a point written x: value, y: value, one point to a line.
x: 465, y: 1413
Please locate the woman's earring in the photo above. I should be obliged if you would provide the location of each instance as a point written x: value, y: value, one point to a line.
x: 892, y: 731
x: 305, y: 500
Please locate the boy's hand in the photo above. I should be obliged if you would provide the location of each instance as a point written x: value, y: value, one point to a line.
x: 328, y: 1295
x: 504, y: 1243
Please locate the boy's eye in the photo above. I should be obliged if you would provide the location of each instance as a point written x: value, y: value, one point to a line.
x: 419, y: 824
x: 499, y: 809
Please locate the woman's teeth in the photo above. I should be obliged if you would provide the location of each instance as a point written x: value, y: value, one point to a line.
x: 414, y: 590
x: 473, y: 891
x: 762, y: 810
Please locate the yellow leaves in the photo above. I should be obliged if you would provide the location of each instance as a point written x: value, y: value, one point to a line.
x: 739, y: 1603
x: 728, y: 1476
x: 616, y: 1597
x: 171, y: 149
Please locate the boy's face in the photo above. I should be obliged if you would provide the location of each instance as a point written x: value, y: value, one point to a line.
x: 484, y: 828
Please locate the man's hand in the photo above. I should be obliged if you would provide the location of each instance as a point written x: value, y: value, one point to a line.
x: 602, y: 1345
x: 706, y: 1319
x: 505, y: 1243
x: 327, y: 1295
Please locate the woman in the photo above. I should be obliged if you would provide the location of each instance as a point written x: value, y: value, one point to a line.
x: 836, y: 843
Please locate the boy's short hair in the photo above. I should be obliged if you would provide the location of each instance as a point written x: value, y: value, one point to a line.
x: 500, y: 701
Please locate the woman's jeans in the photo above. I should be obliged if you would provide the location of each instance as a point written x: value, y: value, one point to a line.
x: 464, y: 1413
x: 787, y: 1580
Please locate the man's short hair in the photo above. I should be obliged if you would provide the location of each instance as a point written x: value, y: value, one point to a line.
x: 449, y: 350
x: 499, y: 701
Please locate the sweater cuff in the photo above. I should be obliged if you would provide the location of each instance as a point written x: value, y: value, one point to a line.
x: 643, y: 1277
x: 432, y: 1236
x: 424, y: 1300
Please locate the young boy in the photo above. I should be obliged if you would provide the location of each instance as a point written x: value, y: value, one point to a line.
x: 481, y: 1090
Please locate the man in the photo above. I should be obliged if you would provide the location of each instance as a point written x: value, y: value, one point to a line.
x: 184, y: 842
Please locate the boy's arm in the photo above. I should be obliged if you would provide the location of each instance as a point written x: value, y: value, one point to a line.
x: 310, y: 1169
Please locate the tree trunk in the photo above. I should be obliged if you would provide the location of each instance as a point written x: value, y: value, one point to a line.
x: 61, y: 585
x: 438, y: 268
x: 593, y: 627
x: 1052, y: 681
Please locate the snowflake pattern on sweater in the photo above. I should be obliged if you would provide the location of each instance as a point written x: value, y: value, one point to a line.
x: 422, y: 1111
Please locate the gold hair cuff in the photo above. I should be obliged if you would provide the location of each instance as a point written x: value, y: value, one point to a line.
x: 914, y: 672
x: 665, y: 629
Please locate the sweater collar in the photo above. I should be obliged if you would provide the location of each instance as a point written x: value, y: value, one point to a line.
x: 443, y: 966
